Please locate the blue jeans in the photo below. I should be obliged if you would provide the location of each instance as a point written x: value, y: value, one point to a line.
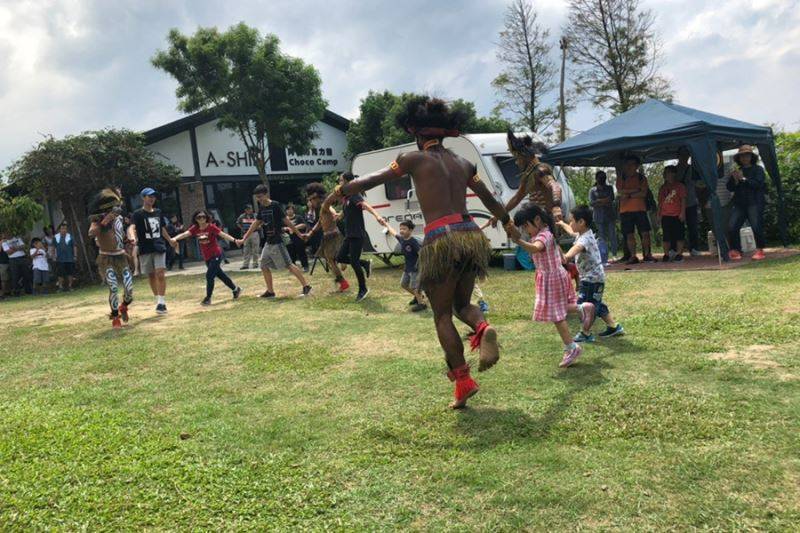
x: 607, y: 230
x: 215, y: 271
x: 593, y: 292
x: 754, y: 214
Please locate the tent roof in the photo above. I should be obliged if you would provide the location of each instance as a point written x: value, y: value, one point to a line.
x: 654, y: 130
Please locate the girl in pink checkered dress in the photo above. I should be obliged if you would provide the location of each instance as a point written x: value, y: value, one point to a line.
x: 555, y: 292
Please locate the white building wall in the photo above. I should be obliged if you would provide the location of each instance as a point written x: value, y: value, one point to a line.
x: 176, y: 150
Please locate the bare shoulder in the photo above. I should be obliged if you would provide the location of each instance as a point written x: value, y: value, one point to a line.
x: 409, y: 160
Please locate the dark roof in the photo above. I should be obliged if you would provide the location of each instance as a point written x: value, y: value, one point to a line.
x: 653, y: 130
x: 201, y: 117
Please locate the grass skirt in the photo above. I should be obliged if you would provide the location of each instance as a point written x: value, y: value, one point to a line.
x: 452, y: 254
x: 329, y: 247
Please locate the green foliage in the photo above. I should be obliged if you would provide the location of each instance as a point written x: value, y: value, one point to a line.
x: 528, y: 72
x: 72, y: 168
x: 788, y: 148
x: 614, y: 47
x: 376, y: 126
x: 19, y: 214
x: 254, y: 89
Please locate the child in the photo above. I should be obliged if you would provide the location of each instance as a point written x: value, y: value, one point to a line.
x: 555, y: 293
x: 41, y: 270
x: 672, y: 210
x: 206, y: 234
x: 331, y: 236
x: 409, y: 246
x: 586, y: 253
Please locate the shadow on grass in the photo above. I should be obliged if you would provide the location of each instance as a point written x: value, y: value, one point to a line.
x: 489, y: 427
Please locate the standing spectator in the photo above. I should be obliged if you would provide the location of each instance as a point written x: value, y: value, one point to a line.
x: 686, y: 176
x: 152, y: 238
x: 5, y: 276
x: 40, y: 267
x: 17, y: 265
x: 66, y: 254
x: 632, y: 188
x: 601, y: 198
x: 672, y: 198
x: 49, y: 246
x: 250, y: 251
x: 176, y: 227
x: 748, y: 185
x: 297, y: 246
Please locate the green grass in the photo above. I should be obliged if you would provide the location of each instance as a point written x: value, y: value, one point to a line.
x: 327, y: 414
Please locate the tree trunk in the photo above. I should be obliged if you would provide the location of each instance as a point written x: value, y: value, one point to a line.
x: 84, y: 251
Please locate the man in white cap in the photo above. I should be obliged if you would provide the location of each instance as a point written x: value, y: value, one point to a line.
x: 152, y: 238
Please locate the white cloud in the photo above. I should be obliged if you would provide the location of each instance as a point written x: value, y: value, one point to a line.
x: 72, y: 65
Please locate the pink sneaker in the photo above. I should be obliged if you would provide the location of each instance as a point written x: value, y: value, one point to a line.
x: 570, y: 355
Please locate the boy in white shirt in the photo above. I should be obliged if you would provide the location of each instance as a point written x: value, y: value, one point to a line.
x: 41, y: 270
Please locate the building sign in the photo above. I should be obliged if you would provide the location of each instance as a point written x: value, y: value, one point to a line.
x: 222, y: 153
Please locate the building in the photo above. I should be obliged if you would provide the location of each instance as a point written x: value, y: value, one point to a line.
x: 217, y: 172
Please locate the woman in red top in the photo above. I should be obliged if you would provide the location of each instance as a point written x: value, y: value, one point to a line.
x: 206, y: 234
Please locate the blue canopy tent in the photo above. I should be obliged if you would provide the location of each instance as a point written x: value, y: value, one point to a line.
x: 655, y: 130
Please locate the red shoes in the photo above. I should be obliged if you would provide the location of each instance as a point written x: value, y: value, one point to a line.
x: 115, y: 323
x: 735, y: 255
x: 123, y: 312
x: 466, y: 387
x: 759, y: 255
x: 343, y: 285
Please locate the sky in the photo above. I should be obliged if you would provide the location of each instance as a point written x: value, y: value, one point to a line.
x: 68, y: 66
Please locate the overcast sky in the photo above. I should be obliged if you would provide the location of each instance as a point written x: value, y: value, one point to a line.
x: 72, y: 65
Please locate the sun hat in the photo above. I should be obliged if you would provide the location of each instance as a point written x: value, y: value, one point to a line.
x: 148, y: 191
x: 746, y: 149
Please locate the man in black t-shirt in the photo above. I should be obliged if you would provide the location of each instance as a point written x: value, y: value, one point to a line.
x: 354, y: 234
x: 274, y: 256
x: 297, y: 247
x: 152, y: 238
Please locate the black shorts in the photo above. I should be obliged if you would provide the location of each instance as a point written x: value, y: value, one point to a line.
x: 673, y: 229
x: 65, y: 269
x: 636, y: 221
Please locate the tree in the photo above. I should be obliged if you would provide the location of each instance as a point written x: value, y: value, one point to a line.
x: 18, y: 214
x: 616, y: 53
x: 256, y: 91
x: 71, y: 169
x: 376, y: 126
x: 528, y: 71
x: 787, y: 146
x: 563, y: 45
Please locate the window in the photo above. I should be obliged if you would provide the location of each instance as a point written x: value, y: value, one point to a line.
x: 509, y: 169
x: 398, y: 189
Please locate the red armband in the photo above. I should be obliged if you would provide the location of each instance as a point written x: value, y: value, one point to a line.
x: 396, y: 169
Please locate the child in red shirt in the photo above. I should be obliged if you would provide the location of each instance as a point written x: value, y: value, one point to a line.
x: 206, y: 234
x: 672, y: 210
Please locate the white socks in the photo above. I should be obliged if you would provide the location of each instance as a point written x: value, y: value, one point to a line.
x: 160, y: 300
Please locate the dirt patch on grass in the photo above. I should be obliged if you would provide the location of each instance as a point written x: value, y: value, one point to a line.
x: 759, y: 356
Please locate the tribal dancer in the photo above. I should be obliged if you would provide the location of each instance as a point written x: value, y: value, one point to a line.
x: 455, y: 251
x: 332, y: 238
x: 109, y: 232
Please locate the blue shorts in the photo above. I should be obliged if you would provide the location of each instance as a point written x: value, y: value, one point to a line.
x: 593, y: 292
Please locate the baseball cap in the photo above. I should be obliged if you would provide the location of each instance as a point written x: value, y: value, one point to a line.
x: 148, y: 191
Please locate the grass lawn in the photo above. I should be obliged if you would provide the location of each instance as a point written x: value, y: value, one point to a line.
x: 327, y: 414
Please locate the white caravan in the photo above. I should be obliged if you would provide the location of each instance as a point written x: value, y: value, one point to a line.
x: 395, y: 201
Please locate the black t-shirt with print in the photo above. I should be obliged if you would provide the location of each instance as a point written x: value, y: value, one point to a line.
x: 354, y: 217
x: 271, y: 217
x: 148, y: 231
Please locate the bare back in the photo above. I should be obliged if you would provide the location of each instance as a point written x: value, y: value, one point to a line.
x: 440, y: 180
